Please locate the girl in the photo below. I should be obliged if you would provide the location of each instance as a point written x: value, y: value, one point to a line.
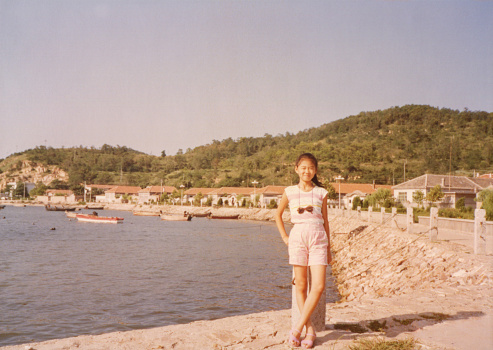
x: 308, y: 242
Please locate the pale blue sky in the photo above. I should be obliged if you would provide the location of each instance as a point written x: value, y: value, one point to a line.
x: 164, y: 75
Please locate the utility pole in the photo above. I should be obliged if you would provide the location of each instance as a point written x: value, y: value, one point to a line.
x: 405, y: 170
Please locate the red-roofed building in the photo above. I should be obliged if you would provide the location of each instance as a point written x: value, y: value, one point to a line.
x: 153, y: 193
x: 268, y: 193
x: 231, y: 194
x: 453, y: 187
x: 115, y: 194
x: 189, y: 195
x: 349, y: 191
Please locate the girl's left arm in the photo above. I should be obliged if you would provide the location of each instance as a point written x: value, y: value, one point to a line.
x: 326, y: 227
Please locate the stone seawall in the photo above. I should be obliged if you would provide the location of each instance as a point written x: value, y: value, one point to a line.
x: 382, y: 261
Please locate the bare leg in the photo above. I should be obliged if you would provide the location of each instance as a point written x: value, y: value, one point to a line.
x: 301, y: 286
x: 307, y: 304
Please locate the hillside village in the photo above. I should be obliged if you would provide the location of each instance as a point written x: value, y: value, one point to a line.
x: 343, y: 194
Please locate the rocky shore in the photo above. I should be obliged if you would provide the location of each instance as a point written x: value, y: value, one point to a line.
x: 393, y: 285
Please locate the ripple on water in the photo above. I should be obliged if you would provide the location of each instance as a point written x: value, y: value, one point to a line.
x: 92, y: 279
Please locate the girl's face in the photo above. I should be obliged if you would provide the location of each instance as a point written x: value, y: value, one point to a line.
x: 306, y: 170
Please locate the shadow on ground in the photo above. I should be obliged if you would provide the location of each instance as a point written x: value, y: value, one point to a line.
x: 391, y: 326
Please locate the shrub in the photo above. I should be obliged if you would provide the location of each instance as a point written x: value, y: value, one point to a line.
x: 272, y: 204
x: 460, y: 204
x: 455, y: 214
x: 356, y: 202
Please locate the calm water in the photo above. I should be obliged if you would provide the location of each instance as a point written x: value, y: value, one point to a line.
x: 84, y: 278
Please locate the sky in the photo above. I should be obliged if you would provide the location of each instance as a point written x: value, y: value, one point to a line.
x: 168, y: 75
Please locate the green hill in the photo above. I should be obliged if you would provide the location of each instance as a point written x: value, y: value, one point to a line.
x: 370, y: 146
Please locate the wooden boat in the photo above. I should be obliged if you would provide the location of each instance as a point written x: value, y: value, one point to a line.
x: 145, y: 213
x: 70, y: 214
x: 176, y: 217
x: 2, y: 206
x: 20, y: 205
x: 227, y: 217
x: 98, y: 219
x: 201, y: 215
x: 94, y: 207
x: 58, y: 208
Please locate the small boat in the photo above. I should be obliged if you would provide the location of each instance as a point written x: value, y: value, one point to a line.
x: 2, y: 206
x: 70, y: 214
x: 227, y: 217
x: 176, y: 217
x: 20, y: 205
x: 145, y: 213
x: 94, y: 207
x: 201, y: 215
x: 58, y: 208
x: 98, y: 219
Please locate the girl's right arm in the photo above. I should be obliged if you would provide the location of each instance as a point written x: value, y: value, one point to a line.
x: 280, y: 224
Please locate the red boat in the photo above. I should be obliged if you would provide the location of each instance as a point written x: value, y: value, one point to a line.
x: 98, y: 219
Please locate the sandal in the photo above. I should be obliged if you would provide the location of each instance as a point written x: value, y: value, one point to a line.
x: 293, y: 340
x: 307, y: 343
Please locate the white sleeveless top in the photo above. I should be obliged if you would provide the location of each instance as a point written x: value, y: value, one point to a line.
x: 297, y: 198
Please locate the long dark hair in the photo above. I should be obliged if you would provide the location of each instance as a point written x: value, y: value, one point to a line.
x: 311, y: 158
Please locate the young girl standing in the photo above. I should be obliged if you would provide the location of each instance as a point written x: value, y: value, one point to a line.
x: 308, y: 242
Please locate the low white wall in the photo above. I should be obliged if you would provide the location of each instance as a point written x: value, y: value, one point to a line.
x: 461, y: 225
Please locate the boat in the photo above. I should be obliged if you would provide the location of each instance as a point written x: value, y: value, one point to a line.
x: 2, y: 206
x: 227, y: 217
x: 70, y: 214
x: 176, y: 217
x: 98, y: 219
x: 20, y: 205
x: 58, y: 208
x: 201, y: 215
x: 145, y: 213
x: 94, y: 207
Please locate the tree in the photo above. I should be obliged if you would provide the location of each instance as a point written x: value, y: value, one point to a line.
x: 332, y: 192
x: 486, y: 196
x: 460, y: 204
x: 58, y: 185
x: 356, y: 202
x: 435, y: 194
x: 39, y: 190
x: 198, y: 198
x: 379, y: 197
x: 418, y: 198
x: 20, y: 190
x: 163, y: 153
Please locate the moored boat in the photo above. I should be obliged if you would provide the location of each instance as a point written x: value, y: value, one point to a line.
x: 201, y: 215
x: 58, y: 208
x: 98, y: 219
x: 226, y: 217
x: 176, y: 217
x: 2, y: 206
x: 94, y: 207
x: 70, y: 214
x: 145, y: 213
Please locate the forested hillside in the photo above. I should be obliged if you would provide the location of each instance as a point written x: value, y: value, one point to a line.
x: 370, y: 146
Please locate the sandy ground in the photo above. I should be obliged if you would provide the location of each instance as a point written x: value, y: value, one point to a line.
x: 444, y: 318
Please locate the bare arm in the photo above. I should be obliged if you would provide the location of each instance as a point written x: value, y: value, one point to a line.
x: 326, y: 227
x: 280, y: 224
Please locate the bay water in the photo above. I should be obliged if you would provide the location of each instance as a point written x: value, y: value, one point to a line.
x: 61, y: 278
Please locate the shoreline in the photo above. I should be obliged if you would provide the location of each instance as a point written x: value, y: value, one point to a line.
x: 439, y: 289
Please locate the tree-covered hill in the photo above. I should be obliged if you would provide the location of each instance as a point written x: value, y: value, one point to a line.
x: 370, y: 146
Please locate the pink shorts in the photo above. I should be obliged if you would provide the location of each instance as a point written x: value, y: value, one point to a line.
x: 308, y: 245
